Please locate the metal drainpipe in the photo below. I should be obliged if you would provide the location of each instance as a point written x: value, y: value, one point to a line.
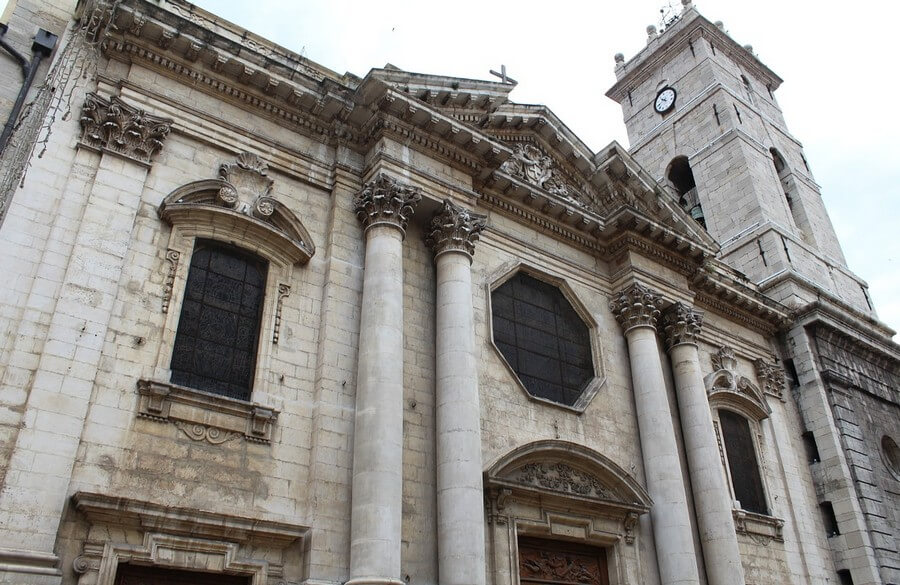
x: 43, y: 45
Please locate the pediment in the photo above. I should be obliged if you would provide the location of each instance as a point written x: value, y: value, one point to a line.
x: 553, y: 468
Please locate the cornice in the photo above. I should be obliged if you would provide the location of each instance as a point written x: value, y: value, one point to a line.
x: 853, y: 327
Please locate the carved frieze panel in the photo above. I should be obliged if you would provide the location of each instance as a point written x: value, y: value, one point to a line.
x: 119, y: 128
x: 560, y: 566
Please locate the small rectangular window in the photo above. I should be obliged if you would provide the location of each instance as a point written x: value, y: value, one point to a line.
x: 812, y: 450
x: 844, y: 577
x: 830, y: 520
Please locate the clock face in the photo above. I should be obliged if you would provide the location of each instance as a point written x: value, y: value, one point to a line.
x: 665, y: 100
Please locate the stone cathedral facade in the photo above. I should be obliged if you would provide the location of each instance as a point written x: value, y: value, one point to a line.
x: 264, y: 323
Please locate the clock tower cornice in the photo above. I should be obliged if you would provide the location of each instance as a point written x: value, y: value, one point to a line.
x: 689, y: 28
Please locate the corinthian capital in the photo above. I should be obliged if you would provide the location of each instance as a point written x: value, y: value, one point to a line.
x: 454, y: 228
x: 119, y: 128
x: 636, y: 306
x: 681, y: 324
x: 385, y: 201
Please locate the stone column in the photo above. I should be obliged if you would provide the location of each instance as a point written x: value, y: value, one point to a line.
x: 384, y: 207
x: 637, y: 309
x: 460, y: 501
x: 712, y: 502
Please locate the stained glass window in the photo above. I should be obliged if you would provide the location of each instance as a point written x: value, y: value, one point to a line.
x: 745, y: 478
x: 542, y: 338
x: 218, y: 331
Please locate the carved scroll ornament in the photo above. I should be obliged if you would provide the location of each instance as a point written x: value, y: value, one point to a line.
x: 454, y: 228
x: 117, y: 127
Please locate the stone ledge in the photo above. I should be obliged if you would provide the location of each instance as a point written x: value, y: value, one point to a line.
x: 760, y: 527
x: 203, y: 415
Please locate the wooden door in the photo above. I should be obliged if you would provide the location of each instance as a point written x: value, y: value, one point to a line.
x: 550, y: 562
x: 138, y: 575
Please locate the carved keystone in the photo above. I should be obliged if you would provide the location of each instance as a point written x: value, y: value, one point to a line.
x: 681, y: 324
x: 454, y: 229
x: 385, y: 201
x: 636, y: 306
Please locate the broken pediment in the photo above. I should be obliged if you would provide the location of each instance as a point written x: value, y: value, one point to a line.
x: 725, y: 387
x: 241, y: 200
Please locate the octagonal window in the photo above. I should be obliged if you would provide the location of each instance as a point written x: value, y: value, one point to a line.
x: 542, y: 338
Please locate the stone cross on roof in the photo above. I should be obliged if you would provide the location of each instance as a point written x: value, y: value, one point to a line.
x: 503, y: 77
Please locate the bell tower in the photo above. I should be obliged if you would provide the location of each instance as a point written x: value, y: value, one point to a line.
x: 702, y: 118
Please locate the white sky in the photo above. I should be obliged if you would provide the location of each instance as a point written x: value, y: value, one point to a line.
x: 841, y: 95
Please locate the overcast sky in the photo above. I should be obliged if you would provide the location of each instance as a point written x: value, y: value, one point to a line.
x: 841, y: 95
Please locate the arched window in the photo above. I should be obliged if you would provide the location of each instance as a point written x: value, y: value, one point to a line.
x: 781, y: 169
x: 742, y: 462
x: 682, y: 178
x: 218, y: 330
x: 747, y: 88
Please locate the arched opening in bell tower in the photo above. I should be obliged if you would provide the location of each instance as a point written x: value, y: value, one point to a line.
x: 681, y: 177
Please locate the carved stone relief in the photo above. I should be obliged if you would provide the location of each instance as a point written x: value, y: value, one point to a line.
x: 119, y: 128
x: 172, y: 257
x: 284, y: 290
x: 561, y: 477
x: 529, y: 163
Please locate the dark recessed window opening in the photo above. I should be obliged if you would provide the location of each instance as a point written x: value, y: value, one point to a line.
x: 793, y: 376
x: 830, y: 520
x: 218, y: 331
x: 682, y: 178
x: 542, y: 338
x: 742, y: 462
x: 812, y: 449
x: 844, y: 577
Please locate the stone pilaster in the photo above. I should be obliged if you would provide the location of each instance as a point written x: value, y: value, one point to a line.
x: 384, y: 206
x: 461, y: 550
x: 681, y: 325
x: 40, y: 468
x: 637, y: 310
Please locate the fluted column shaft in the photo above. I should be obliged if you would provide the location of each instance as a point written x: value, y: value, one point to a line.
x: 712, y: 502
x: 460, y: 525
x: 637, y: 309
x: 384, y: 207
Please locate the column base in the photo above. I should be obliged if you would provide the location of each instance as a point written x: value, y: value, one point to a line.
x: 374, y: 581
x: 29, y: 567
